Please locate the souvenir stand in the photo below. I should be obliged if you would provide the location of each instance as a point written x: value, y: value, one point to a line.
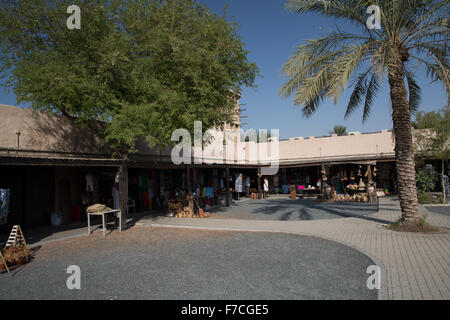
x: 359, y: 188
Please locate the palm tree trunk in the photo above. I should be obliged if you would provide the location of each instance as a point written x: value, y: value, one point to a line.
x: 404, y: 154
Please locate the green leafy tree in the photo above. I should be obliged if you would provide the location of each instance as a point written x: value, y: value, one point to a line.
x: 145, y: 67
x: 339, y: 130
x: 425, y: 181
x: 433, y: 138
x: 411, y: 32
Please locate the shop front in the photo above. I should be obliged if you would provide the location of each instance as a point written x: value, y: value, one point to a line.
x: 342, y: 178
x: 55, y: 195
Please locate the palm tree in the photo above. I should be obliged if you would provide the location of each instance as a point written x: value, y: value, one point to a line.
x: 412, y: 31
x: 339, y: 130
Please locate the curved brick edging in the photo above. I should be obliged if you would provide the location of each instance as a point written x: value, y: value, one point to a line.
x: 382, y: 293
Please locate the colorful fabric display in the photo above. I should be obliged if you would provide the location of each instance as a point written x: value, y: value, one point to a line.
x: 145, y: 180
x: 150, y: 192
x: 145, y: 199
x: 4, y: 202
x: 210, y: 192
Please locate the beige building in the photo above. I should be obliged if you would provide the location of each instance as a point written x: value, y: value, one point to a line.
x: 354, y: 146
x: 45, y: 159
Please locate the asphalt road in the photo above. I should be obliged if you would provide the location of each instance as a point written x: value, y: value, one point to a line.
x: 285, y: 209
x: 157, y: 263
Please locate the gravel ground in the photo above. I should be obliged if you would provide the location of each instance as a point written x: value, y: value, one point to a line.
x: 293, y: 210
x: 159, y: 263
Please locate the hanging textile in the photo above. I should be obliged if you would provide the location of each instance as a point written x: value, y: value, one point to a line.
x: 89, y: 183
x: 150, y: 192
x: 145, y: 180
x: 275, y: 181
x: 145, y: 199
x: 5, y: 195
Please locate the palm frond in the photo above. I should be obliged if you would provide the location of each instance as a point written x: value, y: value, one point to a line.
x: 433, y: 70
x: 322, y: 50
x: 415, y: 92
x: 353, y: 10
x: 302, y: 66
x: 313, y: 86
x: 312, y: 106
x: 310, y: 59
x: 358, y: 94
x: 319, y: 67
x: 436, y: 52
x: 422, y: 18
x: 343, y: 68
x: 372, y: 90
x: 322, y: 68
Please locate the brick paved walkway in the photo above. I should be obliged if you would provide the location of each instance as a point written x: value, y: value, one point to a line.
x: 417, y: 265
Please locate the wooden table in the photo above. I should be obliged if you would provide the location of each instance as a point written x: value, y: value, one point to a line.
x: 103, y: 214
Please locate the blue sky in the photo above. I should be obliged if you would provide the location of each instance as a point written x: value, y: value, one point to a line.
x: 271, y: 34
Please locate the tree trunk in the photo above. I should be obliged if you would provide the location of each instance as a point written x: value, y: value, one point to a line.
x: 444, y: 198
x: 404, y: 153
x: 123, y: 193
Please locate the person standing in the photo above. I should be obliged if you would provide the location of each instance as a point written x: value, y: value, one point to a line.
x: 319, y: 184
x: 266, y: 187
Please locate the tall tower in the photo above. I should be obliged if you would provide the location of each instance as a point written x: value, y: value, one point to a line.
x: 237, y: 116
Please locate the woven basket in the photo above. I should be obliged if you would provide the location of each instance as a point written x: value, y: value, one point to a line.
x: 97, y: 208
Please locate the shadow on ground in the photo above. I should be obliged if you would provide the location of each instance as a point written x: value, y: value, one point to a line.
x: 283, y: 209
